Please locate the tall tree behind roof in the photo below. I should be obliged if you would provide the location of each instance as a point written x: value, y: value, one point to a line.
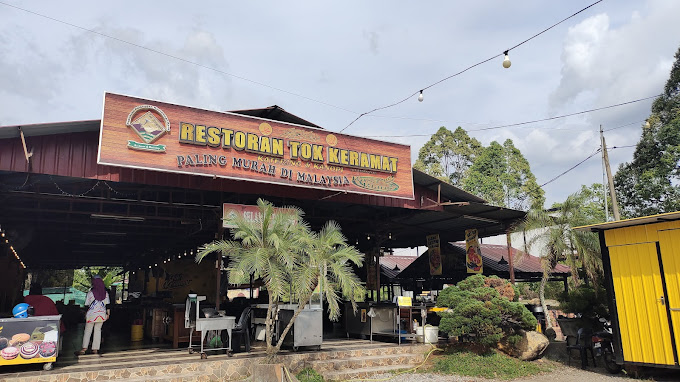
x: 650, y: 183
x: 448, y: 155
x: 502, y: 176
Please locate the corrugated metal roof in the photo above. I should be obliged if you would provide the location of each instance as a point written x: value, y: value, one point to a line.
x: 670, y: 216
x: 492, y: 254
x: 276, y: 113
x: 453, y: 264
x: 400, y: 261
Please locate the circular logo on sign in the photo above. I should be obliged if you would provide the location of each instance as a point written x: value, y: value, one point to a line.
x: 265, y: 128
x: 331, y: 139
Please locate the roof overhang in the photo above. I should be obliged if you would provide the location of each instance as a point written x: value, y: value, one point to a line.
x: 670, y: 216
x: 446, y: 191
x: 34, y: 130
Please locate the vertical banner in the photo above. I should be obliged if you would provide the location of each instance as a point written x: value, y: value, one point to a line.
x: 370, y: 272
x: 473, y: 255
x: 435, y: 252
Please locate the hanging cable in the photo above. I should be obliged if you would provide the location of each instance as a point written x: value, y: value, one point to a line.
x: 532, y: 121
x: 504, y: 53
x: 179, y: 58
x: 571, y: 168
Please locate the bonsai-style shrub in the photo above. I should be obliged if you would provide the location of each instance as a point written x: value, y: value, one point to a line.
x: 479, y: 311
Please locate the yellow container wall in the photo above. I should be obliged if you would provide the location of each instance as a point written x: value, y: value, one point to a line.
x: 643, y: 322
x: 669, y: 242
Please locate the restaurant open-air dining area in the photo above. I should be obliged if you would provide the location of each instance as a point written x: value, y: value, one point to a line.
x: 137, y: 196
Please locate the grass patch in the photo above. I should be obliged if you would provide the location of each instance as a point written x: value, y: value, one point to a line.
x: 490, y: 365
x: 309, y: 375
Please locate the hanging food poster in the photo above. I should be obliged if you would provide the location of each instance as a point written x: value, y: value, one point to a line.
x: 473, y: 255
x: 29, y: 340
x: 434, y: 250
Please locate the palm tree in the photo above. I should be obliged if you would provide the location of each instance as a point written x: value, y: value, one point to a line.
x: 561, y: 243
x: 329, y: 260
x: 279, y: 248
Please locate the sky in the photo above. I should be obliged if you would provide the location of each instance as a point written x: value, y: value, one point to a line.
x: 328, y: 62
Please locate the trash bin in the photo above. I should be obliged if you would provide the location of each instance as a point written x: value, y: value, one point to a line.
x: 431, y: 334
x: 136, y: 333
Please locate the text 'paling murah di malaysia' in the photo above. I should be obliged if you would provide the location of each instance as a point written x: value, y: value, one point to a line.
x: 261, y: 167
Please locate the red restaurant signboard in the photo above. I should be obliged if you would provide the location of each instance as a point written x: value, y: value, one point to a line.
x: 152, y: 135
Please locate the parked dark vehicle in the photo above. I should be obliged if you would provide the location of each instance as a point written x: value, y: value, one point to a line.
x: 604, y: 349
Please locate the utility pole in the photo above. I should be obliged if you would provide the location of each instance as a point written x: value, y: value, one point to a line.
x: 605, y: 157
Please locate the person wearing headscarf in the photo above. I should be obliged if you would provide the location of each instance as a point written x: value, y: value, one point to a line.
x: 98, y: 311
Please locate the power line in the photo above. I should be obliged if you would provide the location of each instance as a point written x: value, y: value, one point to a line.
x: 618, y: 127
x: 469, y: 67
x: 571, y: 168
x: 533, y: 121
x: 180, y: 58
x: 620, y: 147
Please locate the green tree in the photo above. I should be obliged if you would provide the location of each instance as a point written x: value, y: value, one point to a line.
x: 521, y: 190
x: 554, y: 233
x: 279, y: 248
x: 650, y: 184
x: 503, y: 177
x: 82, y: 277
x: 476, y: 307
x: 448, y: 155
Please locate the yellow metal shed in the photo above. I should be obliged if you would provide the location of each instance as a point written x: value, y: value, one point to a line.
x: 641, y: 260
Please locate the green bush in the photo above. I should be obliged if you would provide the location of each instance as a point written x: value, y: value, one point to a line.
x: 489, y: 365
x: 309, y: 375
x: 584, y: 301
x: 480, y: 312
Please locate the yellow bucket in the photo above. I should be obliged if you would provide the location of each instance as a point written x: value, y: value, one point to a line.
x: 137, y: 333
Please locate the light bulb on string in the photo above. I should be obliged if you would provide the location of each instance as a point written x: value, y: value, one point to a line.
x: 420, y: 96
x: 389, y: 235
x: 155, y: 265
x: 506, y: 60
x: 368, y: 237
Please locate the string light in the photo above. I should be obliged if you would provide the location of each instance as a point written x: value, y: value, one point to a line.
x: 526, y: 122
x: 420, y: 97
x: 469, y: 67
x: 506, y: 60
x: 14, y: 251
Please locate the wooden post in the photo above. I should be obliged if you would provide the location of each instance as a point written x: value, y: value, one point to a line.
x: 510, y: 265
x: 377, y: 274
x: 218, y: 265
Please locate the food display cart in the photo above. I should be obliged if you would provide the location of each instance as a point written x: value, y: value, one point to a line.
x: 29, y: 340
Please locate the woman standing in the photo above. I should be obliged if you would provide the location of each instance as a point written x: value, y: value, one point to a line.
x: 98, y: 300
